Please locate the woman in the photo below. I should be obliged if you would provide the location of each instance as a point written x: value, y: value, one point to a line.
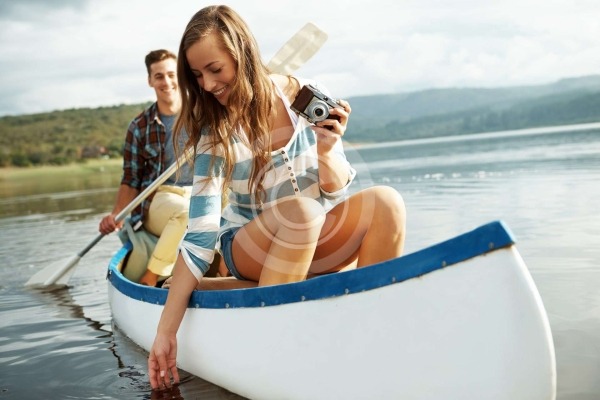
x: 289, y: 214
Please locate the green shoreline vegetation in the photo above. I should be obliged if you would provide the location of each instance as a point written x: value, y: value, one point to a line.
x: 79, y: 169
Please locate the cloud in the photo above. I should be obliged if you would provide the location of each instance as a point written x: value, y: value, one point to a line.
x: 77, y: 53
x: 29, y: 10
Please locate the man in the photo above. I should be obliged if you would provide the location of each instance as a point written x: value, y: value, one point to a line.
x: 148, y: 151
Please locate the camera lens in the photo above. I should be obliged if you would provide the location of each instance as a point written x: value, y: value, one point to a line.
x: 317, y: 111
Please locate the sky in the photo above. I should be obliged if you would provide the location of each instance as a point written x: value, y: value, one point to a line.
x: 63, y: 54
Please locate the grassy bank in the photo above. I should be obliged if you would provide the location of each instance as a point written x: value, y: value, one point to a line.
x: 90, y: 167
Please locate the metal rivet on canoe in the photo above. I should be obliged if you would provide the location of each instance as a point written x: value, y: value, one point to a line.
x: 491, y: 245
x: 197, y: 305
x: 393, y: 279
x: 262, y: 303
x: 303, y: 298
x: 347, y: 291
x: 444, y: 264
x: 226, y: 305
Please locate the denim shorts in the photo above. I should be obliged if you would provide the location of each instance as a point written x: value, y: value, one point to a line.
x: 226, y: 252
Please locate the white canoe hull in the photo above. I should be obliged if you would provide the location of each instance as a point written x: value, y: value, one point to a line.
x: 459, y: 320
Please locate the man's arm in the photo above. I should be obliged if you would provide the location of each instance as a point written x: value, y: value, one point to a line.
x: 125, y: 195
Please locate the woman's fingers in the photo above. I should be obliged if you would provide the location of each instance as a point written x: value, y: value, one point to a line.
x: 334, y: 130
x: 346, y: 106
x: 172, y: 361
x: 175, y: 374
x: 159, y: 374
x: 162, y: 365
x: 343, y: 111
x: 153, y: 371
x: 335, y: 125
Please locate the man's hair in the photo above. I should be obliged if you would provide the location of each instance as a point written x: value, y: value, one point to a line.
x: 158, y: 55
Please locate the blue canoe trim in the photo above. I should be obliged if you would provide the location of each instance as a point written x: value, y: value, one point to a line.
x: 486, y: 238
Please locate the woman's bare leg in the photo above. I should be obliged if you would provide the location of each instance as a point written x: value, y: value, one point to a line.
x: 278, y: 245
x: 367, y: 228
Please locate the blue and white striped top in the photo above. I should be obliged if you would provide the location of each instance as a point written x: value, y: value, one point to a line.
x: 293, y: 171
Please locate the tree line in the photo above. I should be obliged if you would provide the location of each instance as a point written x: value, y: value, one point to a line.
x: 64, y: 137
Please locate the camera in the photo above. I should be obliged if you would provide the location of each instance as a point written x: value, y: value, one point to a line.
x: 313, y: 105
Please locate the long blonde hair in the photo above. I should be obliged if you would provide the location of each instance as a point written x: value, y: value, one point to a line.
x: 250, y: 104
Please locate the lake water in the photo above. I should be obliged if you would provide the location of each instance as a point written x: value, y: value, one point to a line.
x: 61, y: 344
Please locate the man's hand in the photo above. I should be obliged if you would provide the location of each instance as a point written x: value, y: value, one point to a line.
x: 109, y: 225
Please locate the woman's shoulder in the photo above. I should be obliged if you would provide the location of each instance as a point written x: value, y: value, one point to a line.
x: 287, y: 83
x: 284, y: 81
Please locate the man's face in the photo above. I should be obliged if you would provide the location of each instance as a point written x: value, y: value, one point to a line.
x: 163, y: 78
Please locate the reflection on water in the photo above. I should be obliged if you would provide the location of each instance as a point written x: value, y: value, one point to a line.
x: 81, y: 194
x: 56, y: 341
x: 83, y: 178
x: 544, y: 186
x: 70, y: 205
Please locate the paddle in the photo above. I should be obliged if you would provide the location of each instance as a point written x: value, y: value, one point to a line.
x: 296, y: 51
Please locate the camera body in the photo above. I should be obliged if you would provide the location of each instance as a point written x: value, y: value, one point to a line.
x: 313, y: 105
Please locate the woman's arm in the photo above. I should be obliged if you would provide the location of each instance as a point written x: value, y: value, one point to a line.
x: 334, y: 171
x: 196, y: 252
x: 163, y: 355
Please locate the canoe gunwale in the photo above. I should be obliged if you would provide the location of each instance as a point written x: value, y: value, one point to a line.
x: 489, y: 237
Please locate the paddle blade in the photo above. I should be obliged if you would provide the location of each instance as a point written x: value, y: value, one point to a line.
x: 299, y: 49
x: 57, y: 273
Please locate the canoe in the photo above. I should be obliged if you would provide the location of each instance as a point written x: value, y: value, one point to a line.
x: 461, y: 319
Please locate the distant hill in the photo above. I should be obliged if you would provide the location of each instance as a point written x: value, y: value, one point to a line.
x: 406, y: 106
x: 61, y: 137
x: 438, y: 112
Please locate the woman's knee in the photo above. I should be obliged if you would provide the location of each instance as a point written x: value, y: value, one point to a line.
x: 388, y: 202
x: 181, y: 216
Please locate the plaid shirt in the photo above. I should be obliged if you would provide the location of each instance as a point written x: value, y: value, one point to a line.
x: 143, y: 156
